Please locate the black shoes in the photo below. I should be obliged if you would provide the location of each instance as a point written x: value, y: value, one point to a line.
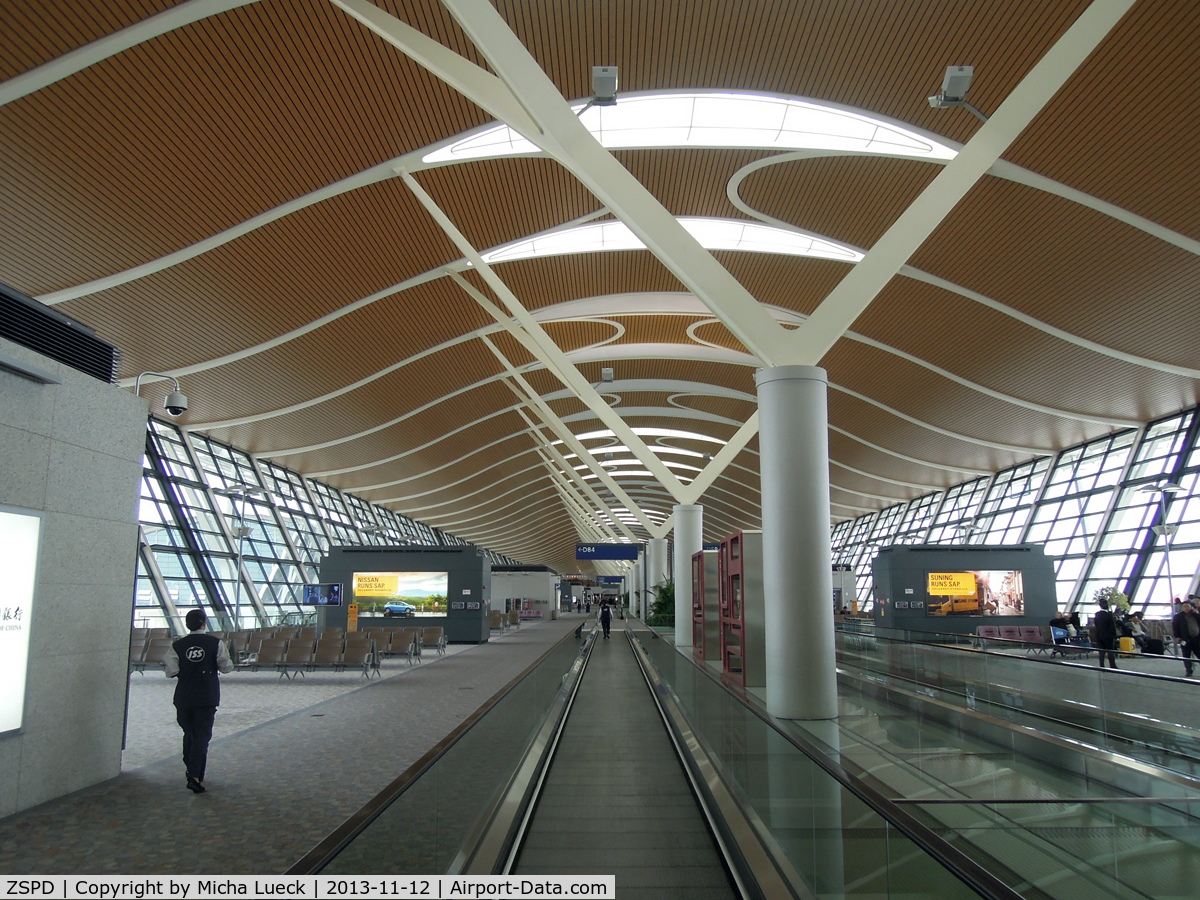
x: 195, y: 786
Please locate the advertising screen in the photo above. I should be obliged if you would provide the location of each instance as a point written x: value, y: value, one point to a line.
x: 322, y: 595
x: 19, y: 535
x: 984, y: 592
x: 400, y: 593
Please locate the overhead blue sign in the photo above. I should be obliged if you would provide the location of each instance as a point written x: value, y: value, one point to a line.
x: 712, y: 546
x: 610, y: 579
x: 606, y: 551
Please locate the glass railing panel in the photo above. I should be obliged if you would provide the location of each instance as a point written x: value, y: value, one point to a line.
x: 1070, y: 849
x: 1153, y: 718
x: 836, y: 844
x: 437, y: 816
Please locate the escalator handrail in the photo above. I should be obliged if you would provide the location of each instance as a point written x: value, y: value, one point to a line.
x: 330, y: 846
x: 962, y: 866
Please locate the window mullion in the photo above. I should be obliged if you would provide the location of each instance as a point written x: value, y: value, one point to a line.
x: 165, y: 603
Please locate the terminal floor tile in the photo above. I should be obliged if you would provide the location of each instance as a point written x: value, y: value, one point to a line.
x: 274, y: 790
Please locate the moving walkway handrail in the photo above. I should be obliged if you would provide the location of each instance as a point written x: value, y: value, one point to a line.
x: 962, y: 866
x: 330, y: 846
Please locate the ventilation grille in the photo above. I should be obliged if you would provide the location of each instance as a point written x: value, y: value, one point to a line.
x: 36, y: 326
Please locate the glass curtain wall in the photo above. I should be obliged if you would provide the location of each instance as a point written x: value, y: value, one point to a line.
x: 1122, y: 511
x: 207, y: 507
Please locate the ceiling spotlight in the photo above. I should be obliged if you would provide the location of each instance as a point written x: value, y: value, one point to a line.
x: 955, y: 85
x: 175, y: 403
x: 707, y: 457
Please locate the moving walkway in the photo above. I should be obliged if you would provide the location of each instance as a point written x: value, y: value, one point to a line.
x: 628, y: 757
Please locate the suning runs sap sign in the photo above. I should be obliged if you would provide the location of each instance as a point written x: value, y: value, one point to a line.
x: 19, y: 535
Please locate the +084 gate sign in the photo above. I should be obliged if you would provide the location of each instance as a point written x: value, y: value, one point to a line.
x: 606, y: 551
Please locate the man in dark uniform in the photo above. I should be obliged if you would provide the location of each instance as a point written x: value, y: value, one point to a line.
x: 606, y: 618
x: 1185, y: 625
x: 195, y: 660
x: 1106, y: 634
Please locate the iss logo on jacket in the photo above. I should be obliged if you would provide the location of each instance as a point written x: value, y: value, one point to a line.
x: 195, y: 654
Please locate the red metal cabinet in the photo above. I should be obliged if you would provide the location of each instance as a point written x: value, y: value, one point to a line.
x: 743, y: 639
x: 706, y: 612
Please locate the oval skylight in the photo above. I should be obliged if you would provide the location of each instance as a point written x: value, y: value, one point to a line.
x: 711, y: 233
x: 717, y: 119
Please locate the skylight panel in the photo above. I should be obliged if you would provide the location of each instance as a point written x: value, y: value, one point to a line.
x: 718, y: 119
x: 712, y: 234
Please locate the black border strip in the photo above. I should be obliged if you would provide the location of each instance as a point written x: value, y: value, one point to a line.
x: 319, y: 856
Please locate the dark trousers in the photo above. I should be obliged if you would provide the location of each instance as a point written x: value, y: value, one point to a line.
x: 1190, y: 649
x: 197, y: 725
x: 607, y: 625
x: 1108, y: 648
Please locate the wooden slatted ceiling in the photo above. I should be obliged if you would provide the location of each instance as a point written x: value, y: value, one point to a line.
x: 887, y: 430
x: 993, y: 349
x: 850, y: 199
x: 476, y: 480
x: 917, y: 392
x: 283, y: 276
x: 1072, y: 267
x: 1132, y: 119
x: 338, y: 355
x: 421, y: 429
x: 392, y: 395
x: 429, y: 485
x: 496, y: 201
x: 501, y: 493
x: 36, y: 31
x: 882, y: 55
x: 689, y: 182
x: 852, y: 453
x: 202, y: 128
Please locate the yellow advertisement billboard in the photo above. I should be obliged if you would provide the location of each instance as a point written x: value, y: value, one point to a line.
x: 952, y: 584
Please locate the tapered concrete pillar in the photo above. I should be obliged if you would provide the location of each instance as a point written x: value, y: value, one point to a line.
x: 793, y: 444
x: 657, y: 570
x: 689, y: 539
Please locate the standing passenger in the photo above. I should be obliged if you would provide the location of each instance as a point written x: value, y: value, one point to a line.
x: 195, y: 660
x: 1186, y: 626
x: 605, y: 618
x: 1106, y: 634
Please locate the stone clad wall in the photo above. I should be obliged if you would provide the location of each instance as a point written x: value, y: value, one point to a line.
x: 72, y: 452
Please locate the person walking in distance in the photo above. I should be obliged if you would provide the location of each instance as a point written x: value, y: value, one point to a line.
x: 606, y: 618
x: 194, y: 661
x: 1106, y: 634
x: 1185, y: 625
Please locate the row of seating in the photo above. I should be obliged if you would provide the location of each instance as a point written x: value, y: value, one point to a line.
x: 503, y: 621
x: 151, y: 652
x: 295, y: 656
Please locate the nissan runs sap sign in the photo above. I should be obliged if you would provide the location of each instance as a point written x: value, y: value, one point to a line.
x: 19, y: 535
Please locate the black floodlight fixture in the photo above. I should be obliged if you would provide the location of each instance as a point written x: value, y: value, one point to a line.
x: 955, y: 85
x: 175, y: 403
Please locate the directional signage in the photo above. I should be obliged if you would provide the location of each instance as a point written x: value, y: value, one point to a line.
x: 610, y: 579
x: 606, y: 551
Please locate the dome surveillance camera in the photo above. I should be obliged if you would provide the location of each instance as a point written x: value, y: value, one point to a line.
x: 175, y: 403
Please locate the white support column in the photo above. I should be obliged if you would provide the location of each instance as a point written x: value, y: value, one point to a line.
x: 689, y: 539
x: 635, y: 589
x: 656, y: 569
x: 797, y: 563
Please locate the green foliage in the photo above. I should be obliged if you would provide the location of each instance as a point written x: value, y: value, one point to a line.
x: 662, y: 610
x: 1115, y: 598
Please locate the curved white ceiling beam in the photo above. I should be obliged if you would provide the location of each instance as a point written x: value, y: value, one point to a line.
x: 732, y: 191
x: 909, y: 459
x: 454, y: 462
x: 111, y: 44
x: 455, y: 518
x: 476, y: 474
